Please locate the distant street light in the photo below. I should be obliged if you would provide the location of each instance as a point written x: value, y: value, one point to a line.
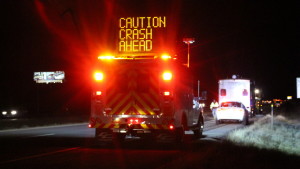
x: 256, y: 91
x: 188, y: 41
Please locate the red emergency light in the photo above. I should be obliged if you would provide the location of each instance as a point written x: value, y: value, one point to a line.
x: 98, y: 76
x: 134, y: 121
x: 167, y: 76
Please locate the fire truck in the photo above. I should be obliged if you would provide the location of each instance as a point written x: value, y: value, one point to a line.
x: 141, y: 91
x: 143, y: 95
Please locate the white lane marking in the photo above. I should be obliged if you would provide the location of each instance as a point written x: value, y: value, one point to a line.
x: 42, y: 135
x: 42, y: 127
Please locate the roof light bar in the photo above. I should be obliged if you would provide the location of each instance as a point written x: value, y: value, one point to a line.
x: 165, y: 57
x: 106, y: 57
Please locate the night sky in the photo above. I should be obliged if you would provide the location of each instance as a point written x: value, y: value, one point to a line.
x: 254, y: 39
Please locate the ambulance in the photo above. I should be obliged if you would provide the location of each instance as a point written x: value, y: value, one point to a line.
x: 234, y: 100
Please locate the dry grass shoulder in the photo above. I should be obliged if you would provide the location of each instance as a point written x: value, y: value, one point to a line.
x: 283, y: 135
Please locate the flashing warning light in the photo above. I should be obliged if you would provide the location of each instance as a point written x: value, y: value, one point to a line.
x: 106, y: 57
x: 167, y: 93
x: 90, y: 126
x: 167, y: 75
x: 117, y: 120
x: 165, y: 57
x: 98, y: 76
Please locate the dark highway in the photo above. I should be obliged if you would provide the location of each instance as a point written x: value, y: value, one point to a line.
x: 73, y: 146
x: 144, y: 68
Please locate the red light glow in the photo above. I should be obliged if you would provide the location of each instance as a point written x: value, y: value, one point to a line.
x: 167, y: 76
x: 134, y: 121
x: 165, y: 57
x: 98, y: 76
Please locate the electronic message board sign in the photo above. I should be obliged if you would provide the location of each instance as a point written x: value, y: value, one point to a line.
x: 138, y: 34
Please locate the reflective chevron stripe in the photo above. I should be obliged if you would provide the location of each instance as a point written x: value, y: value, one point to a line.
x: 132, y: 101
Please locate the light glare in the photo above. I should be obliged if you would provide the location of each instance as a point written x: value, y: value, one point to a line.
x: 98, y: 76
x: 167, y: 76
x: 13, y: 112
x: 106, y: 57
x: 165, y: 57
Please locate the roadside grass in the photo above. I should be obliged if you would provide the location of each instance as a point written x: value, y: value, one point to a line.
x: 283, y: 136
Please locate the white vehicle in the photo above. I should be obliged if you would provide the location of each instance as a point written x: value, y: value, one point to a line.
x: 235, y: 90
x: 229, y: 111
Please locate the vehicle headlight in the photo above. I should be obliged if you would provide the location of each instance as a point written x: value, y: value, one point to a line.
x: 4, y: 113
x: 13, y: 112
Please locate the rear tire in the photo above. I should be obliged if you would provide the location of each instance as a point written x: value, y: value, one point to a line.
x: 246, y: 120
x: 179, y: 135
x: 198, y: 132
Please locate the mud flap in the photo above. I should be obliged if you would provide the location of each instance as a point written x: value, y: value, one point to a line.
x: 107, y: 135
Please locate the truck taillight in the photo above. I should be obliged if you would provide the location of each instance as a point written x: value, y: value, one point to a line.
x: 98, y: 95
x: 98, y: 76
x: 171, y: 127
x: 167, y: 76
x: 134, y: 121
x: 167, y: 93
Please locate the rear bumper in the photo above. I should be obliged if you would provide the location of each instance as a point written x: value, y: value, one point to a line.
x: 122, y: 125
x: 230, y: 116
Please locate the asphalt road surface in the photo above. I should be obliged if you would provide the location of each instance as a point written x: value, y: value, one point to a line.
x: 73, y: 146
